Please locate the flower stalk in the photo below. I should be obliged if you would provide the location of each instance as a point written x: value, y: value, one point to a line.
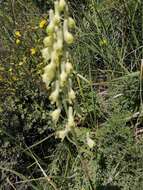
x: 57, y: 74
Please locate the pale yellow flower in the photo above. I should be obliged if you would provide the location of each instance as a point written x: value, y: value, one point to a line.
x: 69, y: 67
x: 48, y: 41
x: 71, y: 23
x: 55, y: 94
x: 71, y: 122
x: 62, y: 5
x: 48, y: 75
x: 55, y: 115
x: 71, y: 96
x: 68, y: 37
x: 46, y: 54
x: 90, y: 142
x: 50, y: 28
x: 63, y: 78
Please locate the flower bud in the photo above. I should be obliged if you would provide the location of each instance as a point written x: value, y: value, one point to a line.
x: 57, y: 19
x: 55, y: 94
x: 62, y: 134
x: 59, y: 44
x: 63, y: 78
x: 48, y: 41
x: 90, y: 142
x: 50, y: 28
x: 71, y: 23
x: 55, y: 115
x: 46, y: 54
x: 49, y: 74
x: 62, y: 5
x: 68, y: 67
x: 46, y: 80
x: 65, y: 25
x: 71, y: 96
x: 71, y: 122
x: 57, y: 14
x: 50, y: 68
x: 55, y: 58
x: 51, y: 15
x: 68, y: 37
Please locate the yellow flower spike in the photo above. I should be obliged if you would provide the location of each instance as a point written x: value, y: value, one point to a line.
x: 17, y: 41
x: 59, y: 71
x: 33, y: 51
x: 42, y: 23
x: 55, y: 115
x: 17, y: 34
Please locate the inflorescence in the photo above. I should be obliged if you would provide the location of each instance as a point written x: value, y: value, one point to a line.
x: 58, y: 72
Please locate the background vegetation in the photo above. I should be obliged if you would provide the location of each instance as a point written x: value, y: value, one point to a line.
x: 107, y: 52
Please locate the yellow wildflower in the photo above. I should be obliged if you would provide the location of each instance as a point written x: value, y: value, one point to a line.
x: 20, y: 63
x: 33, y: 51
x: 103, y: 42
x: 17, y: 34
x: 10, y: 70
x: 17, y: 41
x: 42, y: 23
x: 14, y: 78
